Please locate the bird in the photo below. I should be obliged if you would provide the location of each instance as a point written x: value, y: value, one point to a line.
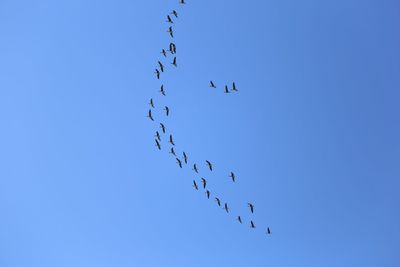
x: 232, y: 175
x: 218, y: 201
x: 195, y: 168
x: 204, y: 182
x: 158, y: 145
x: 157, y: 72
x: 185, y: 158
x: 226, y: 89
x: 251, y: 206
x: 252, y: 225
x: 169, y: 20
x: 162, y: 127
x: 208, y: 194
x: 172, y: 48
x: 239, y: 219
x: 268, y: 231
x: 234, y: 87
x: 161, y: 66
x: 174, y: 13
x: 172, y: 151
x: 226, y: 208
x: 162, y: 91
x: 150, y: 116
x: 158, y: 136
x: 171, y: 141
x: 166, y: 110
x: 182, y: 2
x: 151, y: 103
x: 174, y: 62
x: 164, y: 52
x: 212, y: 84
x: 209, y: 165
x: 179, y: 162
x: 195, y: 185
x: 171, y: 31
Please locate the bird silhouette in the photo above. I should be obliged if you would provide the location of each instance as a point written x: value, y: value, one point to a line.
x: 226, y: 89
x: 218, y: 201
x: 239, y: 219
x: 150, y: 116
x: 195, y: 185
x: 195, y: 168
x: 233, y: 177
x: 182, y: 2
x: 174, y: 62
x: 179, y: 162
x: 185, y: 158
x: 174, y: 13
x: 157, y: 72
x: 151, y: 103
x: 252, y: 225
x: 210, y: 166
x: 171, y: 31
x: 212, y: 84
x: 226, y: 208
x: 204, y: 182
x: 171, y: 141
x: 234, y: 87
x: 208, y: 194
x: 172, y: 48
x: 161, y: 66
x: 162, y: 91
x: 164, y: 52
x: 162, y: 126
x: 172, y: 151
x: 166, y: 110
x: 158, y: 136
x: 268, y: 231
x: 158, y: 144
x: 251, y: 206
x: 169, y: 20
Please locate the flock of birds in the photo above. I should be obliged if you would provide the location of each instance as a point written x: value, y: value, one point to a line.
x: 184, y: 160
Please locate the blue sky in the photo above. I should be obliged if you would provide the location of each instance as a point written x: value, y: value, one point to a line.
x: 312, y: 135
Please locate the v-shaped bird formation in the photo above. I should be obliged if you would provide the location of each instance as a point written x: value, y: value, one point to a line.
x: 183, y: 160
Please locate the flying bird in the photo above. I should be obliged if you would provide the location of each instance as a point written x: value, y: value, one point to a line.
x: 185, y: 158
x: 162, y: 127
x: 179, y: 162
x: 172, y: 151
x: 252, y: 225
x: 204, y: 182
x: 161, y: 66
x: 169, y: 20
x: 239, y: 219
x: 209, y: 165
x: 195, y: 168
x: 182, y: 2
x: 174, y: 13
x: 226, y: 89
x: 212, y: 85
x: 158, y: 136
x: 162, y: 91
x: 226, y: 208
x: 233, y: 177
x: 150, y: 116
x: 208, y: 194
x: 171, y: 31
x: 268, y: 231
x: 195, y: 185
x: 151, y: 103
x: 172, y: 48
x: 166, y: 110
x: 158, y: 145
x: 251, y: 206
x: 234, y: 87
x: 171, y: 141
x: 157, y: 72
x: 174, y: 62
x: 218, y: 201
x: 164, y: 52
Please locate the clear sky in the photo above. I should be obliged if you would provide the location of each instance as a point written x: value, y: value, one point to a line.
x: 312, y: 134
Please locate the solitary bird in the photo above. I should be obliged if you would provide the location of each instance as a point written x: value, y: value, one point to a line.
x: 174, y: 62
x: 166, y: 110
x: 171, y: 141
x: 185, y: 158
x: 169, y: 20
x: 212, y: 84
x: 157, y: 72
x: 239, y: 219
x: 150, y: 116
x: 195, y: 168
x: 162, y: 91
x: 268, y: 231
x: 234, y: 87
x: 171, y: 31
x: 161, y: 66
x: 208, y: 194
x: 233, y: 177
x: 252, y: 225
x: 218, y: 201
x: 251, y: 206
x: 204, y: 182
x: 209, y: 165
x: 164, y: 53
x: 151, y: 103
x: 226, y: 208
x: 162, y: 126
x: 158, y: 145
x: 158, y: 136
x: 172, y: 151
x: 195, y: 185
x: 174, y: 13
x: 226, y: 89
x: 179, y: 162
